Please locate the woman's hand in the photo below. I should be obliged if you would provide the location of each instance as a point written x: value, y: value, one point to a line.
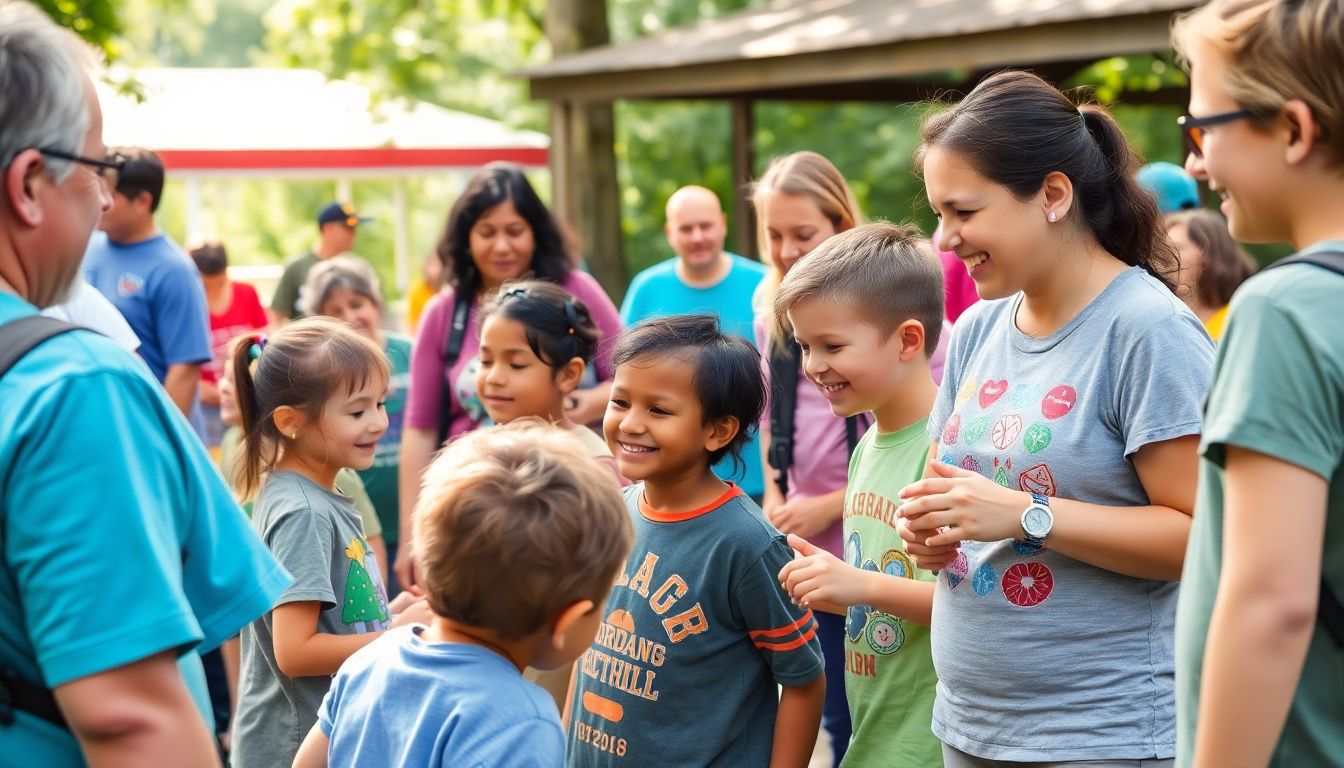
x: 955, y: 505
x: 807, y: 517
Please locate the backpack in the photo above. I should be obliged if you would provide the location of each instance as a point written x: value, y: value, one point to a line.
x: 784, y: 367
x: 18, y: 338
x: 452, y: 350
x: 1330, y: 611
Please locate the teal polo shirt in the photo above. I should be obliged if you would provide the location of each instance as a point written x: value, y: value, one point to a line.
x: 119, y: 538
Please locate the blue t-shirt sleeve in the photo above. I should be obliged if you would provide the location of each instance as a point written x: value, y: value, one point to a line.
x: 632, y: 306
x: 532, y: 743
x: 784, y: 634
x: 94, y: 545
x: 1155, y: 400
x: 180, y: 317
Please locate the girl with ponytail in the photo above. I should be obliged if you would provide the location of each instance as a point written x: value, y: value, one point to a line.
x: 311, y: 403
x: 1058, y: 497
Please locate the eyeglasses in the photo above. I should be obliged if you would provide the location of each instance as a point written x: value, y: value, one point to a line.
x: 109, y: 169
x: 1192, y: 128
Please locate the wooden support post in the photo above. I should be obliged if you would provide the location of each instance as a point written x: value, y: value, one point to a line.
x: 743, y: 221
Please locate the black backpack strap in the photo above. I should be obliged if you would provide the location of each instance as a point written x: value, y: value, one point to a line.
x: 37, y: 700
x: 452, y: 350
x: 784, y: 367
x: 19, y: 337
x: 852, y: 433
x: 1331, y: 260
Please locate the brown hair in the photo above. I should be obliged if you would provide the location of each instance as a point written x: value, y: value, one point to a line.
x: 1226, y: 265
x: 1277, y: 51
x: 889, y: 273
x: 300, y: 366
x: 1015, y: 129
x: 810, y: 175
x: 513, y: 524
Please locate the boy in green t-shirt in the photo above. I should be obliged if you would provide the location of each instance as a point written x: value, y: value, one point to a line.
x: 1258, y: 677
x: 867, y: 308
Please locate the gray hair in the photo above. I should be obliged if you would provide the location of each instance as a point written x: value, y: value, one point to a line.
x: 346, y: 271
x: 42, y: 82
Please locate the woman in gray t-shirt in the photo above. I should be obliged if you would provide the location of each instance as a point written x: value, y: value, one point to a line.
x: 1066, y: 432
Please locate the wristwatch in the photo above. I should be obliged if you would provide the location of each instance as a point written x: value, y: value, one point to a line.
x: 1037, y: 521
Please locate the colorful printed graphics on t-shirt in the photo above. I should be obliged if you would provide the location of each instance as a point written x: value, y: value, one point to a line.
x: 696, y: 629
x: 364, y: 605
x: 889, y: 677
x: 128, y: 284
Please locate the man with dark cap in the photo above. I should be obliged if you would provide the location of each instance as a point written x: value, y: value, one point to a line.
x: 336, y: 226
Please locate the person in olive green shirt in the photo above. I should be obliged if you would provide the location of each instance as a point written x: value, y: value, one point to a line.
x: 336, y: 226
x: 1259, y: 681
x: 867, y: 307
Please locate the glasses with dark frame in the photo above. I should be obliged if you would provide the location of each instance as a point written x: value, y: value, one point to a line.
x: 1192, y: 128
x: 108, y: 170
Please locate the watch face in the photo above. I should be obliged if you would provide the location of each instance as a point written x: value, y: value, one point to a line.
x: 1037, y: 521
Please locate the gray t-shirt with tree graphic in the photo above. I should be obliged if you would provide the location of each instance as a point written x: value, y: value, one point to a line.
x: 316, y: 535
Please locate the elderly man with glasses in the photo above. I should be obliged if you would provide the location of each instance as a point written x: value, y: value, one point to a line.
x: 120, y: 548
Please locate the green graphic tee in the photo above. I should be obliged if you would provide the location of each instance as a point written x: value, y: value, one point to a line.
x: 889, y: 678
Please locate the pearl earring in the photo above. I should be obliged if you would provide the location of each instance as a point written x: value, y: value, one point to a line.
x: 1051, y: 218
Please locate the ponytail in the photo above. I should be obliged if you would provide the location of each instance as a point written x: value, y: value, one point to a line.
x: 1122, y: 215
x: 258, y: 441
x: 1015, y: 129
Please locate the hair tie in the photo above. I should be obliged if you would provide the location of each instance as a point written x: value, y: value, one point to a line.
x: 255, y: 349
x: 571, y: 316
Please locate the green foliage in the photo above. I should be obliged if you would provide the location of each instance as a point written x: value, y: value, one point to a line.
x: 461, y: 53
x: 97, y: 21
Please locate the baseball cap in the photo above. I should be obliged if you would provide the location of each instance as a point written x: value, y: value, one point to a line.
x: 1174, y: 189
x: 341, y: 212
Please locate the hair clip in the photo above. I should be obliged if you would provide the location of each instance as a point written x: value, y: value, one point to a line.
x: 571, y: 316
x: 255, y: 349
x: 513, y: 293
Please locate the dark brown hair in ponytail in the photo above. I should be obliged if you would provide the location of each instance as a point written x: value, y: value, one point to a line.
x: 300, y: 366
x: 1015, y: 129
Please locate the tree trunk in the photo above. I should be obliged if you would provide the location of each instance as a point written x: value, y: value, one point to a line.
x: 583, y: 155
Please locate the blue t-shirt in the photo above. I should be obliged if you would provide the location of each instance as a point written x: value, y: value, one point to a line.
x: 118, y: 532
x: 657, y: 292
x: 695, y: 638
x: 157, y: 289
x: 402, y: 700
x: 1041, y: 657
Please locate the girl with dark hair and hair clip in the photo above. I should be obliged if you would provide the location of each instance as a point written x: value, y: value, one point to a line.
x: 497, y: 231
x: 536, y: 341
x: 1065, y: 432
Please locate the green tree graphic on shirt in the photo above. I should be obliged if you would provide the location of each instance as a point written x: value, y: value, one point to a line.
x: 361, y: 596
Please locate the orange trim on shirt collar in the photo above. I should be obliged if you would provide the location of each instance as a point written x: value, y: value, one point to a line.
x: 657, y: 516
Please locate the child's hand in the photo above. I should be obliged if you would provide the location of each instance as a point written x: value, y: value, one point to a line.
x: 805, y: 517
x: 927, y: 557
x: 402, y: 601
x: 818, y: 577
x: 958, y: 505
x: 417, y: 612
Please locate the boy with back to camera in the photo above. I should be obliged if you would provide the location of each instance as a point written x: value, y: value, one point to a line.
x: 519, y: 534
x: 867, y: 307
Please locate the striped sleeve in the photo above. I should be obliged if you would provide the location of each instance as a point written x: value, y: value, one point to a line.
x: 784, y: 634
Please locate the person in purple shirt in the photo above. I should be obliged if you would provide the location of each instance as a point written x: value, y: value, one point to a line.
x: 497, y: 231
